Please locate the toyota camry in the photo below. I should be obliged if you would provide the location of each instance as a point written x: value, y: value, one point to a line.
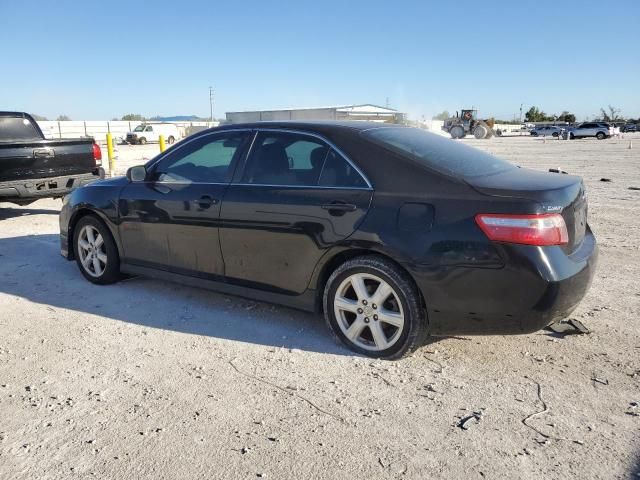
x: 395, y: 234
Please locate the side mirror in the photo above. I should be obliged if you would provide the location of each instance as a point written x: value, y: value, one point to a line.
x: 137, y: 174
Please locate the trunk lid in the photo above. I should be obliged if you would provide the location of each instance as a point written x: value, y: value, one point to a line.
x: 556, y: 193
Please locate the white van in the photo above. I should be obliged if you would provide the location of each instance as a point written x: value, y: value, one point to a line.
x: 150, y: 132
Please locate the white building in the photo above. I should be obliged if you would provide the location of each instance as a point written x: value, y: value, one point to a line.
x: 366, y: 112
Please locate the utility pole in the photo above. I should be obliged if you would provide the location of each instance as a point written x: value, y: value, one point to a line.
x: 210, y: 104
x: 520, y: 113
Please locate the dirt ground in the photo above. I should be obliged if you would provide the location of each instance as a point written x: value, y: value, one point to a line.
x: 146, y: 379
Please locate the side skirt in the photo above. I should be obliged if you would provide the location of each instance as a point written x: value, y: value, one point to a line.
x: 304, y: 301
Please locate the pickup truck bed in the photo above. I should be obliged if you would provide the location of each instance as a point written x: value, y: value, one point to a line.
x: 32, y: 167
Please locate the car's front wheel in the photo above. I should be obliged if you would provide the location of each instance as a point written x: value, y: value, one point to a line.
x: 600, y: 136
x: 95, y: 251
x: 374, y: 308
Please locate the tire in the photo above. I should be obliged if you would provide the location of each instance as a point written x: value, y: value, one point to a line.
x: 171, y: 140
x: 99, y: 262
x: 555, y: 134
x: 600, y: 136
x: 499, y: 132
x: 142, y: 141
x: 534, y: 134
x: 480, y: 132
x: 457, y: 131
x: 572, y: 136
x: 406, y: 328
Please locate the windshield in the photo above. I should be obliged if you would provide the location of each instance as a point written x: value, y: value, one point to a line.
x: 439, y: 153
x: 139, y: 128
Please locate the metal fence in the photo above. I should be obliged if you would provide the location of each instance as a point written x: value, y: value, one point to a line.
x: 99, y: 129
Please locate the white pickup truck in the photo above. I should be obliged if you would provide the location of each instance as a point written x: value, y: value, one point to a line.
x: 150, y: 133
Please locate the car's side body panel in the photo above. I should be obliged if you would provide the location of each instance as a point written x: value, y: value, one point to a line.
x: 266, y: 230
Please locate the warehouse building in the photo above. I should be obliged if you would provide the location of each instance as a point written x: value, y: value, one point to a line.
x: 366, y: 112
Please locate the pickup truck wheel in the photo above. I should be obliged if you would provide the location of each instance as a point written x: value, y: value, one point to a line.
x: 95, y: 251
x: 142, y: 141
x: 170, y: 140
x: 600, y: 136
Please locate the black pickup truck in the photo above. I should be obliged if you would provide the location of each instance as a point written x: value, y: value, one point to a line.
x: 32, y: 167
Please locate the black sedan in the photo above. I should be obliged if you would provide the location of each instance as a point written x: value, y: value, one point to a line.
x: 394, y: 233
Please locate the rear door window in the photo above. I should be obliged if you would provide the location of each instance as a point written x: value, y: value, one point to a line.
x: 337, y: 172
x: 283, y: 158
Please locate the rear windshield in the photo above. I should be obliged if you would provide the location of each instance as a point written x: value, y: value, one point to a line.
x: 17, y: 129
x: 439, y: 153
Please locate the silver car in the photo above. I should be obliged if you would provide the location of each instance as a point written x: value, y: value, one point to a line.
x: 547, y: 131
x: 600, y: 130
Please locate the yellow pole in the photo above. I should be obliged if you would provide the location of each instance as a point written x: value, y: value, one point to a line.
x: 163, y: 147
x: 112, y: 166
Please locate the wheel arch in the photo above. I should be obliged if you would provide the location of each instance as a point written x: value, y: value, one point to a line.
x: 80, y: 213
x: 332, y: 261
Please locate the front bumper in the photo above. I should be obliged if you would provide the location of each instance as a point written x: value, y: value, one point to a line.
x: 536, y: 287
x: 18, y: 191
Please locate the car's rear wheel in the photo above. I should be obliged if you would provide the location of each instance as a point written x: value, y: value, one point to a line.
x: 142, y: 141
x: 95, y: 251
x: 374, y: 308
x: 171, y: 139
x: 555, y: 134
x: 600, y: 136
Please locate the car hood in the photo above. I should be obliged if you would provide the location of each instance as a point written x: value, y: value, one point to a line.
x: 111, y: 182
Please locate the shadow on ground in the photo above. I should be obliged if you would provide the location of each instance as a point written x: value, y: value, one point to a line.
x: 32, y: 268
x: 6, y: 213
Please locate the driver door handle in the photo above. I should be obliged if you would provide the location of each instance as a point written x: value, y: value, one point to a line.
x: 206, y: 201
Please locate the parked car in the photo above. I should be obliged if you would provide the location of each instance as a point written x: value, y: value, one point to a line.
x: 600, y: 130
x: 547, y: 131
x: 394, y: 233
x: 32, y: 167
x: 150, y: 133
x: 629, y: 127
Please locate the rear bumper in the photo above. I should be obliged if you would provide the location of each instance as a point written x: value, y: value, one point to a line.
x: 51, y: 187
x: 536, y: 287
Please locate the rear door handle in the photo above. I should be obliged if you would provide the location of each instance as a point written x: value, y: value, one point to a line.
x: 44, y: 153
x: 339, y: 207
x: 206, y: 201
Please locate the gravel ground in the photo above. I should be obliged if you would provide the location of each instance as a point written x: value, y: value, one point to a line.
x: 145, y: 379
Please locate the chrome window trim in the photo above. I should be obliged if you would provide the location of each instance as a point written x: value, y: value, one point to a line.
x: 324, y: 187
x: 319, y: 137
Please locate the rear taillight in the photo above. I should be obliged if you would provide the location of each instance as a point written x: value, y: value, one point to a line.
x: 97, y: 155
x: 540, y: 230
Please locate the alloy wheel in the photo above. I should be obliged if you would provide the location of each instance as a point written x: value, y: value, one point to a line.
x: 369, y: 312
x: 92, y: 251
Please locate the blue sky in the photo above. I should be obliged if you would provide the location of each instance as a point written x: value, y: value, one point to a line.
x: 97, y: 60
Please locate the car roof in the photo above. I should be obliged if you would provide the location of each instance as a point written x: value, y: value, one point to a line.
x: 319, y: 125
